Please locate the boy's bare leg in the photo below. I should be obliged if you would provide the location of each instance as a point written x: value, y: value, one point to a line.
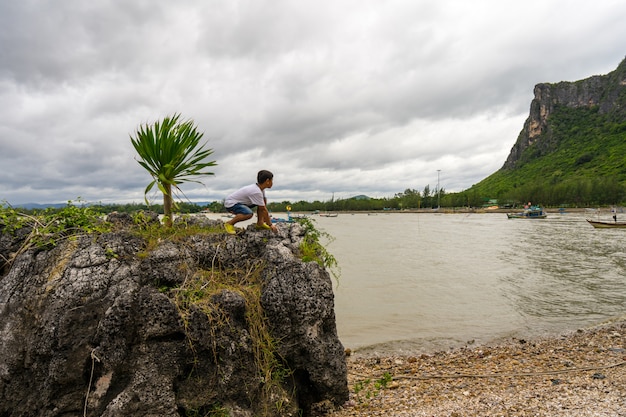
x: 239, y: 218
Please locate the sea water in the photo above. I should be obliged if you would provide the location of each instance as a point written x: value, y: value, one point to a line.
x: 419, y: 282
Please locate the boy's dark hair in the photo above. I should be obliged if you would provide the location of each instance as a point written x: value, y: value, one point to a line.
x: 263, y: 176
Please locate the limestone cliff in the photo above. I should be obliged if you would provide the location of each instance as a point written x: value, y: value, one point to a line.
x: 606, y: 92
x: 207, y: 324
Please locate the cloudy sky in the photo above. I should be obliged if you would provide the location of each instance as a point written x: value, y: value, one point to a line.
x: 339, y: 97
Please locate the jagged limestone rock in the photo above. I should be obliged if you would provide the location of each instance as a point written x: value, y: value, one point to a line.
x: 104, y: 326
x: 606, y: 92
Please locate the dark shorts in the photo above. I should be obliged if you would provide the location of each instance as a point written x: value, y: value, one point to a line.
x: 240, y: 209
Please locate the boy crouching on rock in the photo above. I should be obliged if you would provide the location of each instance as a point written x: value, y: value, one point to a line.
x: 241, y: 202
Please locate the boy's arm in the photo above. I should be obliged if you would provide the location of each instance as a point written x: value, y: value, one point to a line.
x: 264, y: 217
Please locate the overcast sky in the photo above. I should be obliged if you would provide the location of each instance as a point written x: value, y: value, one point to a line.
x: 334, y: 97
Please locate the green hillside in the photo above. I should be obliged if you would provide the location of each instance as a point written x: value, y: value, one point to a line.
x: 579, y: 160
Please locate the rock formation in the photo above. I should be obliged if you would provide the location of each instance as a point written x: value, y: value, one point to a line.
x: 606, y: 92
x: 206, y: 324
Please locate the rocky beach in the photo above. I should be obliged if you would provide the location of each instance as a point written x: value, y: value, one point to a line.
x: 582, y: 373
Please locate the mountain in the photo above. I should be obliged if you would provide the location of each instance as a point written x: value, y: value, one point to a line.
x: 360, y: 197
x: 571, y: 147
x: 31, y: 206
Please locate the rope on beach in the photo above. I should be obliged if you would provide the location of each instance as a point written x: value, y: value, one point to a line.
x: 503, y: 375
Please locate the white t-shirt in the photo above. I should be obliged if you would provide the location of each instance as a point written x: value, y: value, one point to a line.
x: 250, y: 195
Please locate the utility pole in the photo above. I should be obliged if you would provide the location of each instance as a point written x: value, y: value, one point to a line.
x: 438, y: 190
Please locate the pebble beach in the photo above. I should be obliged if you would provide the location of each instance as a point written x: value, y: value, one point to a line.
x: 582, y: 373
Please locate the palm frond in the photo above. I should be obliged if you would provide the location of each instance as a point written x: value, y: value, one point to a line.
x: 171, y: 152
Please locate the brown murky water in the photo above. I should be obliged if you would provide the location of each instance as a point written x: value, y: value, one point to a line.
x: 424, y: 282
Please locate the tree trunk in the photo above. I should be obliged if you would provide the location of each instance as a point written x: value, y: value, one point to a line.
x: 167, y: 205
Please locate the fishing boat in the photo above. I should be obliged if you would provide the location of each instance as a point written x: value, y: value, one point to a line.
x: 282, y: 220
x: 532, y: 212
x: 289, y: 219
x: 607, y: 225
x: 329, y: 214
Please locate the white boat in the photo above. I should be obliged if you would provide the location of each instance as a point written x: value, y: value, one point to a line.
x: 607, y: 225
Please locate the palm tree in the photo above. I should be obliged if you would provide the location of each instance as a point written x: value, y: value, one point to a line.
x: 170, y: 152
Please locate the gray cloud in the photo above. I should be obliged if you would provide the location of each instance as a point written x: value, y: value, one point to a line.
x: 346, y: 97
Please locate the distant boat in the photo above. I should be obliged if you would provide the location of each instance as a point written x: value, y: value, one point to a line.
x: 329, y: 214
x: 289, y: 219
x: 532, y: 212
x: 607, y: 225
x: 281, y: 220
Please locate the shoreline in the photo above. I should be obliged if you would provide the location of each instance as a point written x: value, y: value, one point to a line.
x: 459, y: 210
x: 580, y: 373
x: 398, y: 348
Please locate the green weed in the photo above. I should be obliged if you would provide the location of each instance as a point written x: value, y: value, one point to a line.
x: 311, y: 249
x: 47, y: 228
x: 369, y: 389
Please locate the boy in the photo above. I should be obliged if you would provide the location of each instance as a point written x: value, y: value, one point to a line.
x: 242, y: 201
